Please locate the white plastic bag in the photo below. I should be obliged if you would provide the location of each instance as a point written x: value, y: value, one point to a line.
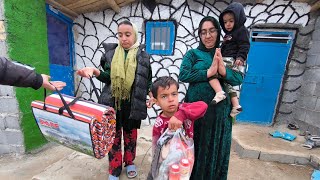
x: 179, y: 147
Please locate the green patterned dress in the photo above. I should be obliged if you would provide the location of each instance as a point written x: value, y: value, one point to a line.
x: 212, y: 133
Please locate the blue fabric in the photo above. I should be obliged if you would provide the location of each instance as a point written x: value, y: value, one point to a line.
x: 276, y: 134
x: 289, y: 137
x: 315, y: 175
x: 283, y: 135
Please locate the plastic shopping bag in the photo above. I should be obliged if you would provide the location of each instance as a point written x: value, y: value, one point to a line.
x: 177, y: 152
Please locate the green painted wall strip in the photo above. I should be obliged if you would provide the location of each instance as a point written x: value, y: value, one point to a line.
x: 27, y: 43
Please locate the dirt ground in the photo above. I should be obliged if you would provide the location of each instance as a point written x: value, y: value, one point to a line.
x: 58, y: 162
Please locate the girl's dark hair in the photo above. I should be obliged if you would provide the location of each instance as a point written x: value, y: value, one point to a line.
x: 125, y: 22
x: 164, y: 81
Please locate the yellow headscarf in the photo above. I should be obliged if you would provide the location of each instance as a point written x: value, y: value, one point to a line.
x: 123, y: 70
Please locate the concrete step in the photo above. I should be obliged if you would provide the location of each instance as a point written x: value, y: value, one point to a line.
x: 252, y: 141
x: 26, y: 166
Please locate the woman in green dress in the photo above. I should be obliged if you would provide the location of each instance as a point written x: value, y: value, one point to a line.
x: 212, y: 133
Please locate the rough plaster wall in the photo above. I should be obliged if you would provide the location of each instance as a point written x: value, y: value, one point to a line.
x: 92, y: 29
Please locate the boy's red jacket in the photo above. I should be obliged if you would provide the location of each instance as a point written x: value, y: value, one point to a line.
x: 187, y: 113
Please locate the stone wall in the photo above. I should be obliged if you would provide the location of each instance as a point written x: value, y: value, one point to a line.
x: 293, y: 78
x: 307, y: 109
x: 11, y: 138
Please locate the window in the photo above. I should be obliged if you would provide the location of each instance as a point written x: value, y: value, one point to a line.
x: 160, y: 37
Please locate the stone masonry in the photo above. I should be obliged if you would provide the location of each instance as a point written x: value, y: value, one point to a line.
x: 11, y: 137
x: 299, y: 99
x: 307, y: 109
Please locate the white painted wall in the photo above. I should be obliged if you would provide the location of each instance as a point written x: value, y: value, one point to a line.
x: 92, y: 29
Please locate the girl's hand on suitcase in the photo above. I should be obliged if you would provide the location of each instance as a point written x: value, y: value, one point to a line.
x: 88, y: 72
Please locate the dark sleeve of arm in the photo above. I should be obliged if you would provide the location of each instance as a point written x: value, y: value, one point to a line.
x: 16, y: 74
x: 187, y: 73
x: 105, y: 74
x: 243, y: 44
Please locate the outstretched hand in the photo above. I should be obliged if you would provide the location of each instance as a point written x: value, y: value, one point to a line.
x: 88, y: 72
x: 53, y: 84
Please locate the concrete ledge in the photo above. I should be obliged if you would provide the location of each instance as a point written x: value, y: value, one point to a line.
x: 254, y: 142
x: 302, y: 160
x: 282, y: 158
x: 315, y: 161
x: 246, y: 153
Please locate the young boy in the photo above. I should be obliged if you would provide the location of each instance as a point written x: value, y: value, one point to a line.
x: 234, y: 49
x: 173, y: 115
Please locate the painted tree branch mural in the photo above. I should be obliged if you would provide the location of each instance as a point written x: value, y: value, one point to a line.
x: 93, y: 29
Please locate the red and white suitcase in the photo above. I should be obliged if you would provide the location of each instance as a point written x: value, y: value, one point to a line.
x: 84, y: 126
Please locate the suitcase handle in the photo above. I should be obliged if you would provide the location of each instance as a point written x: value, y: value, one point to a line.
x: 68, y: 105
x: 77, y: 98
x: 65, y: 105
x: 94, y: 88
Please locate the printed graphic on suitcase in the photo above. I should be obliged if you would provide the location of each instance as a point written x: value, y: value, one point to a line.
x: 91, y: 131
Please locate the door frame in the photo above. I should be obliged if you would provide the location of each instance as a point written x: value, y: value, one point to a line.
x: 293, y: 32
x: 69, y: 22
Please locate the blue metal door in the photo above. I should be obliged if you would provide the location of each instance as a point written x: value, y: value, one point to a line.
x: 267, y: 59
x: 60, y: 42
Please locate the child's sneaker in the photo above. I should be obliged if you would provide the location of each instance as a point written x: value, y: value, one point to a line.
x: 218, y: 97
x: 235, y: 111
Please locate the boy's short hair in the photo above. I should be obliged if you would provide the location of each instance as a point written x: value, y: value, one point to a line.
x: 164, y: 81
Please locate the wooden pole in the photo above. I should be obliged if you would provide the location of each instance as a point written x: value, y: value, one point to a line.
x: 63, y: 9
x: 113, y: 5
x: 123, y: 3
x: 315, y: 6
